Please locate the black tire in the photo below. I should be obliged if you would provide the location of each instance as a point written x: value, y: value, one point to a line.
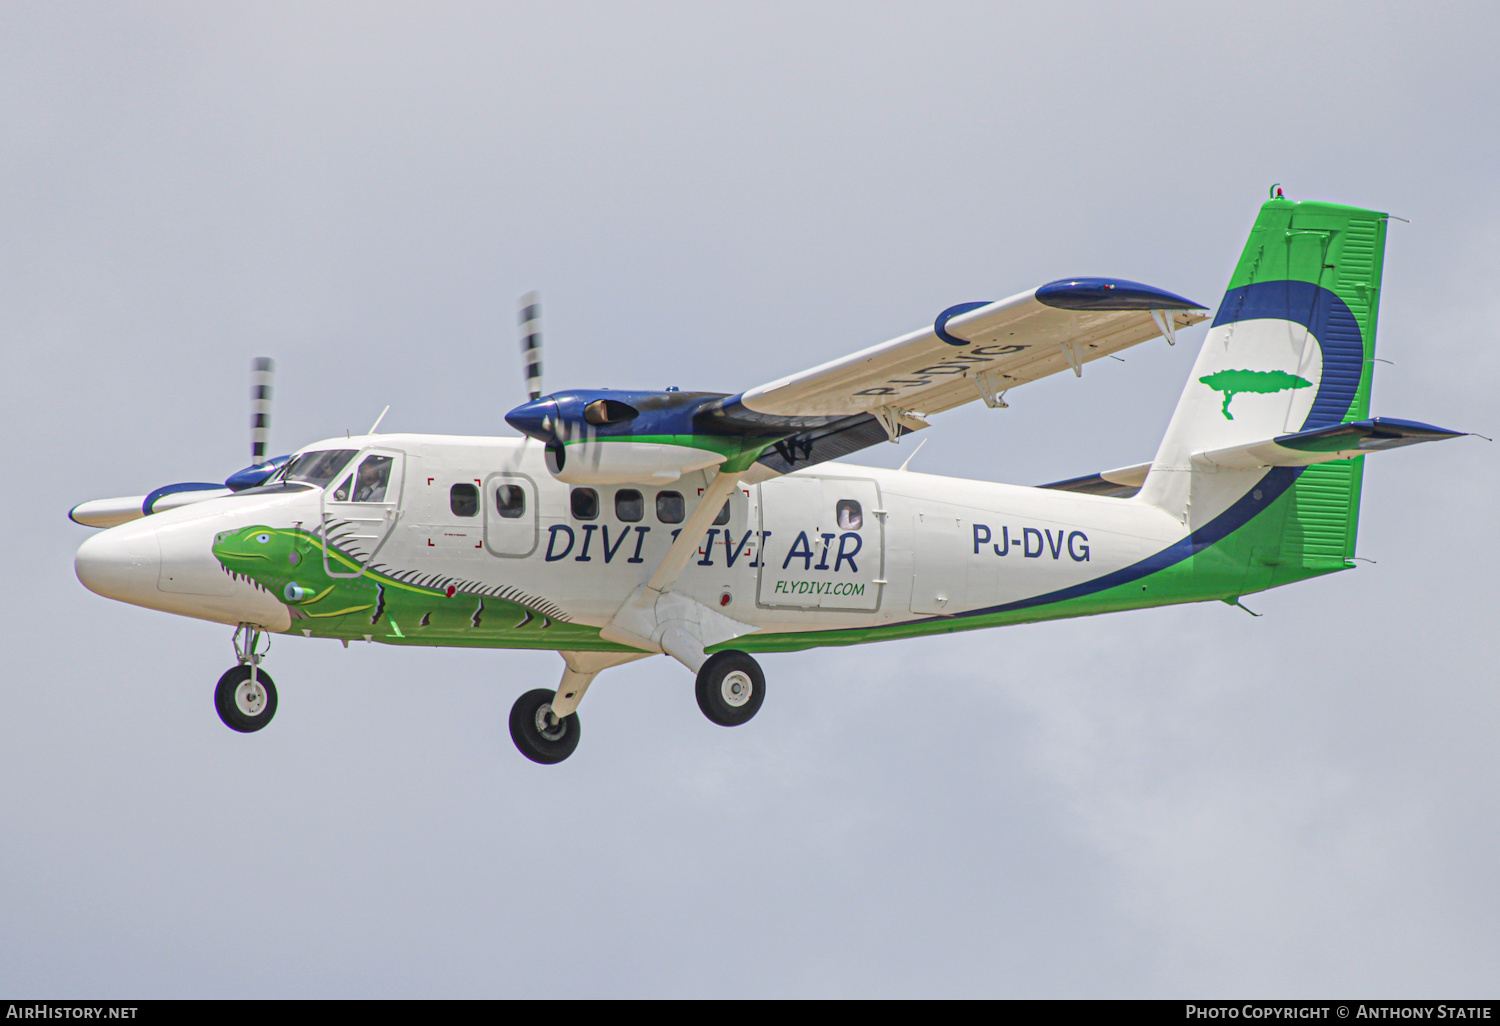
x: 719, y: 684
x: 230, y: 702
x: 540, y: 736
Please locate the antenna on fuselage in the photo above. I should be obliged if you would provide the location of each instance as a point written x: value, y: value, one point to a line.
x: 262, y: 374
x: 531, y: 342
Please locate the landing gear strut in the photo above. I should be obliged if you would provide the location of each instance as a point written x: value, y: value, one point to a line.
x: 245, y: 697
x: 730, y: 688
x: 540, y: 734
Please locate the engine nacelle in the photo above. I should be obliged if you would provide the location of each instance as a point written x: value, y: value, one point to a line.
x: 598, y: 437
x: 611, y: 461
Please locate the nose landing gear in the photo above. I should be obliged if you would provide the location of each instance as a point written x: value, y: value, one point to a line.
x: 245, y: 697
x: 540, y: 734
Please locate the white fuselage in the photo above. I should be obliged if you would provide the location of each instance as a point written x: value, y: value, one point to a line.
x: 835, y: 547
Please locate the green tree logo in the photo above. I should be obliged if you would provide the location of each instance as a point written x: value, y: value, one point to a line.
x: 1233, y: 382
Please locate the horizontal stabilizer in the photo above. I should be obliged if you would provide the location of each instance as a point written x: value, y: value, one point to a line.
x: 1325, y: 444
x: 1120, y: 484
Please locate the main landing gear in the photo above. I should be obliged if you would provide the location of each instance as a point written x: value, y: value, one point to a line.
x: 730, y: 688
x: 541, y: 734
x: 246, y: 696
x: 544, y: 723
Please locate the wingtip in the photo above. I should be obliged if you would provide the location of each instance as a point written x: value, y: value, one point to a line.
x: 1110, y: 294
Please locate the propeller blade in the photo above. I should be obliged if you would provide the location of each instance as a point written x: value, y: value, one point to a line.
x: 531, y: 342
x: 262, y: 372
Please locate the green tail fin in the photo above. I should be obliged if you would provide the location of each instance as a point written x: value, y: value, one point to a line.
x: 1291, y: 350
x: 1340, y: 251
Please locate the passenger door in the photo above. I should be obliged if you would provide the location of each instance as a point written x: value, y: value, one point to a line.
x: 510, y: 515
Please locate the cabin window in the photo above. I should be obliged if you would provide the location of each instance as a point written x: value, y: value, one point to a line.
x: 629, y: 506
x: 510, y: 501
x: 669, y: 507
x: 723, y: 517
x: 850, y: 516
x: 372, y: 479
x: 585, y: 504
x: 463, y: 500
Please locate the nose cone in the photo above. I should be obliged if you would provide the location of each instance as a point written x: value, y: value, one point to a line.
x: 121, y: 565
x: 537, y: 418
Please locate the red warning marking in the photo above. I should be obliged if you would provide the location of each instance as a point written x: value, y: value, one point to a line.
x: 429, y: 480
x: 452, y: 591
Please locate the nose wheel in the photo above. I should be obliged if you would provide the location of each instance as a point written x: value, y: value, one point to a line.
x: 245, y: 703
x: 245, y: 697
x: 540, y: 734
x: 730, y: 688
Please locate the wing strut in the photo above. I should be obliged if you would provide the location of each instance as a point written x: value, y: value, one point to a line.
x: 714, y: 496
x: 657, y: 619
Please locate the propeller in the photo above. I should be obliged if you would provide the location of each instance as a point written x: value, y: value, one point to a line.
x: 262, y: 374
x: 262, y: 378
x: 542, y: 417
x: 531, y: 342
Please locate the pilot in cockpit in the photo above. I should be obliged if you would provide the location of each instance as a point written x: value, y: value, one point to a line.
x: 374, y: 474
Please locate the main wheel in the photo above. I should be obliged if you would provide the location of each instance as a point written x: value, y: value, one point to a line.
x: 730, y: 688
x: 538, y: 732
x: 245, y: 705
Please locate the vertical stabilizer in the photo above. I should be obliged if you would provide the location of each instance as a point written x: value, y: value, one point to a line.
x: 1290, y: 349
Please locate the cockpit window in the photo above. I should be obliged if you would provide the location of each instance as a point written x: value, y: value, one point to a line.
x: 317, y: 468
x: 373, y: 477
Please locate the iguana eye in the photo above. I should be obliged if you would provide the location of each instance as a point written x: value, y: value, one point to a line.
x: 263, y: 538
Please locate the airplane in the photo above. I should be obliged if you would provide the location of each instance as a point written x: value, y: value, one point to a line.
x: 711, y: 527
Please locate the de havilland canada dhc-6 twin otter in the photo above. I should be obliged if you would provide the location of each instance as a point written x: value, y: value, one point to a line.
x: 709, y: 526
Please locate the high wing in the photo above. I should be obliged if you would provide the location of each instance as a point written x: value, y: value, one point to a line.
x: 971, y: 351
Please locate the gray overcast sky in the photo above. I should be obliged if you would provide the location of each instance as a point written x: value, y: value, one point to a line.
x: 1180, y: 802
